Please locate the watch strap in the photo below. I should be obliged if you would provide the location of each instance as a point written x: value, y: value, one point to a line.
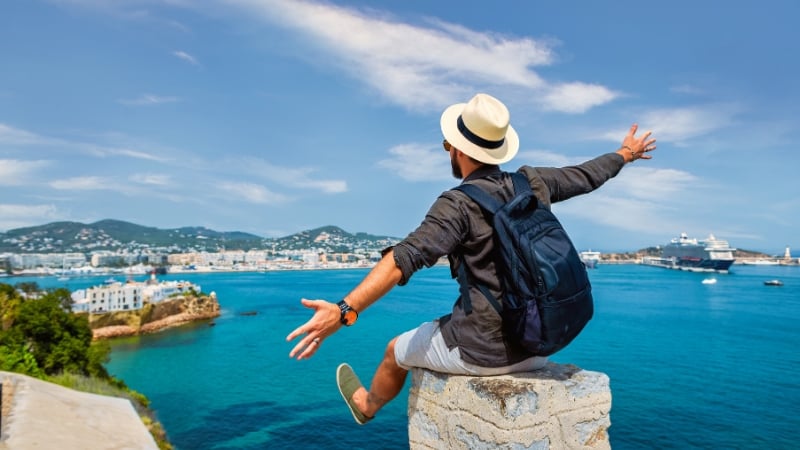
x: 348, y: 315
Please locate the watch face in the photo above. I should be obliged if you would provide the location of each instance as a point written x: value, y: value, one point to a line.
x: 349, y: 317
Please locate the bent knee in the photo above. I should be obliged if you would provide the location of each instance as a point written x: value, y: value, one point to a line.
x: 389, y: 353
x: 390, y: 347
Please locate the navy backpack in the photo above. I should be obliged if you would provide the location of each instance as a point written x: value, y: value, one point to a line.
x: 547, y: 297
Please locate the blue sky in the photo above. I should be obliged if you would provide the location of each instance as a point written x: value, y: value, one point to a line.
x: 277, y: 116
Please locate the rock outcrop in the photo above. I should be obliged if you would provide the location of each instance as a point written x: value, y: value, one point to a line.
x: 154, y: 317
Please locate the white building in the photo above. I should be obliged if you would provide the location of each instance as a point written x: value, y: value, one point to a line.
x: 108, y: 298
x: 46, y: 260
x: 128, y: 296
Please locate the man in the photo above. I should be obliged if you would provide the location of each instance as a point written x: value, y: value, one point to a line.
x: 479, y: 137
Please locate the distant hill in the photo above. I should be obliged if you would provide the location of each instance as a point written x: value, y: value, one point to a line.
x: 331, y: 239
x: 117, y: 235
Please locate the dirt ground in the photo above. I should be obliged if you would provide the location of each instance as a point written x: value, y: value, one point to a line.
x: 8, y: 395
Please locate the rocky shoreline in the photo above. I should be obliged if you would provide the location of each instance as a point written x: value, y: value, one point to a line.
x: 154, y: 317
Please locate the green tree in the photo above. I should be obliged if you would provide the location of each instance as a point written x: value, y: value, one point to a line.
x: 10, y: 300
x: 58, y: 340
x: 17, y: 359
x: 28, y: 287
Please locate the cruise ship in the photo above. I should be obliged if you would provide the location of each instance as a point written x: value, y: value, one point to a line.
x: 684, y: 253
x: 590, y: 259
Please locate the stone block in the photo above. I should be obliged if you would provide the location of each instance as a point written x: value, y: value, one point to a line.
x: 559, y: 406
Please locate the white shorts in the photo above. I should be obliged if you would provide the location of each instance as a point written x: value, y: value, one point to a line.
x: 424, y: 347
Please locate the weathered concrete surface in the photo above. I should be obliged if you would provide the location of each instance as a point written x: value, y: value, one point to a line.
x: 47, y: 416
x: 557, y: 407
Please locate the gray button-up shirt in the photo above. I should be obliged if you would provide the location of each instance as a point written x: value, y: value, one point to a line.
x: 455, y: 226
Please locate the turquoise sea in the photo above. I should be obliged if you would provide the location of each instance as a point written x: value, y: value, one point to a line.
x: 692, y: 365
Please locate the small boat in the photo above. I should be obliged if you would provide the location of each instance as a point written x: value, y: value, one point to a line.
x: 773, y: 283
x: 710, y: 281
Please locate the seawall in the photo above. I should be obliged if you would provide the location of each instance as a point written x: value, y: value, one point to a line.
x: 558, y: 407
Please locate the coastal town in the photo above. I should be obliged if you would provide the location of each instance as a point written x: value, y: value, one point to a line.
x: 89, y: 250
x: 99, y: 254
x: 113, y: 295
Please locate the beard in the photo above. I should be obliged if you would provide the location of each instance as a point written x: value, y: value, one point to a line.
x: 456, y: 168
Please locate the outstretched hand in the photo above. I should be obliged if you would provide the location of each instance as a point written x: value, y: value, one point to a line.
x: 634, y: 148
x: 324, y: 322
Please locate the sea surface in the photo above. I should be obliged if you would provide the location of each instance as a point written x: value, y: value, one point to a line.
x: 692, y: 365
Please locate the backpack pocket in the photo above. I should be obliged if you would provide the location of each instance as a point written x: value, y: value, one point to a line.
x: 562, y: 320
x: 522, y: 323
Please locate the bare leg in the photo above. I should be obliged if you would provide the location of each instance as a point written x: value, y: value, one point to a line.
x: 387, y: 382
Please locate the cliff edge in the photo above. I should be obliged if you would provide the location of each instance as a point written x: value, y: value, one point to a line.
x: 155, y: 317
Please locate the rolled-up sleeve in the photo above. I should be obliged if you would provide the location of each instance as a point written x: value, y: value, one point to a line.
x: 438, y: 235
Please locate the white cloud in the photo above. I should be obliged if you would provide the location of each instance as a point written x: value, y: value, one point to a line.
x: 413, y: 162
x: 643, y: 217
x: 186, y: 57
x: 421, y: 67
x: 577, y: 97
x: 16, y: 216
x: 151, y: 179
x: 546, y: 158
x: 328, y: 186
x: 252, y: 193
x: 641, y: 200
x: 687, y: 89
x: 425, y: 67
x: 89, y: 183
x: 295, y: 177
x: 16, y: 136
x: 681, y: 124
x: 653, y: 184
x: 149, y: 100
x: 15, y: 172
x: 127, y: 152
x: 678, y: 125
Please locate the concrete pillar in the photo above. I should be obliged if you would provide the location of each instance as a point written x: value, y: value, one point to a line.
x: 558, y: 407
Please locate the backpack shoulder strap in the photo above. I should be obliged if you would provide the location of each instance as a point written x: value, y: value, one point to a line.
x: 480, y: 197
x: 486, y: 201
x: 521, y: 183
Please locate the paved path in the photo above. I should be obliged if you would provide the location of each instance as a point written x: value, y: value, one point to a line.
x: 47, y: 416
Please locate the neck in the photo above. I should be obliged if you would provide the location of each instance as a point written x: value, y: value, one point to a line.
x: 467, y: 164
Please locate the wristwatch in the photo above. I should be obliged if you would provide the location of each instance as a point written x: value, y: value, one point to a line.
x: 349, y: 315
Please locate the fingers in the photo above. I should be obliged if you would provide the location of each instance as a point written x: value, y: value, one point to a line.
x: 633, y: 129
x: 321, y: 324
x: 306, y: 348
x: 297, y: 332
x: 311, y: 304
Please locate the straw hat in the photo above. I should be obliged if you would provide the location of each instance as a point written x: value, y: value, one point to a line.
x: 481, y: 129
